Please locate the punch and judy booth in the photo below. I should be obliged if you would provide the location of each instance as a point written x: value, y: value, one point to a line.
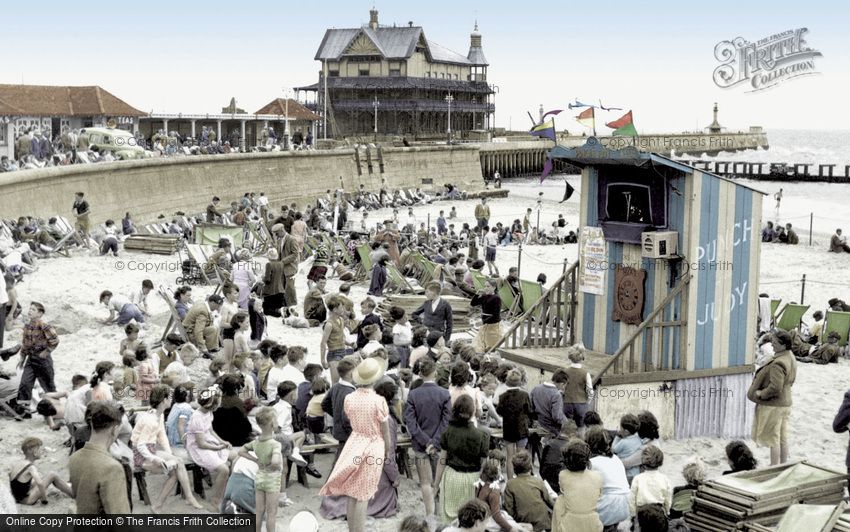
x: 664, y: 294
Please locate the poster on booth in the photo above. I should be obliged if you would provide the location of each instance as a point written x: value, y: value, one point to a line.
x: 592, y: 256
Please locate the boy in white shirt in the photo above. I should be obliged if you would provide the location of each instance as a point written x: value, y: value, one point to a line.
x: 276, y: 375
x: 491, y: 240
x: 372, y: 333
x: 402, y: 335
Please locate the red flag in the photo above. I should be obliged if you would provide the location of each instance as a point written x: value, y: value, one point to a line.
x: 624, y: 120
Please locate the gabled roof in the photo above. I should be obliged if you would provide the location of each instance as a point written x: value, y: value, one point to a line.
x: 48, y: 100
x: 278, y: 106
x: 392, y: 43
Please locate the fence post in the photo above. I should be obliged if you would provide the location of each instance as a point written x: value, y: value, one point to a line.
x: 811, y: 222
x: 803, y: 291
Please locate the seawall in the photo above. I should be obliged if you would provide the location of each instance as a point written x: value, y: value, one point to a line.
x: 149, y: 187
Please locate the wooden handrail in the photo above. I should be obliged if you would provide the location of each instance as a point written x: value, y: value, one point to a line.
x: 545, y: 297
x: 626, y: 345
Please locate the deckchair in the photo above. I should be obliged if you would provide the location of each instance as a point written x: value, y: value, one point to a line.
x: 531, y: 294
x: 365, y: 260
x: 68, y: 227
x: 478, y: 279
x: 839, y: 322
x: 175, y: 324
x: 790, y: 316
x: 774, y: 310
x: 200, y: 254
x: 509, y: 300
x: 400, y: 281
x: 811, y: 517
x: 342, y: 251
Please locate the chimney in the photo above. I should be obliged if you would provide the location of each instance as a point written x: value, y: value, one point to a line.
x: 410, y: 23
x: 373, y: 18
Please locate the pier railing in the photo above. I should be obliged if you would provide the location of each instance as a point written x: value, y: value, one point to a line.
x: 550, y: 322
x: 658, y: 355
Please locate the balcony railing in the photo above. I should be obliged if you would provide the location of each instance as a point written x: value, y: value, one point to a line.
x: 413, y: 105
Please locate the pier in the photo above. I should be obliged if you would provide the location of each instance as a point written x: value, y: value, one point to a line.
x: 830, y: 173
x: 518, y: 156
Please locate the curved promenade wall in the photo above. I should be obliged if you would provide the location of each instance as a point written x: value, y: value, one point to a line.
x: 149, y: 187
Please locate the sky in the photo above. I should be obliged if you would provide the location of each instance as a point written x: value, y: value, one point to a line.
x: 654, y: 58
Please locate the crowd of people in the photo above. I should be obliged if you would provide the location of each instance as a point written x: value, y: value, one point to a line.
x: 40, y: 148
x: 389, y: 393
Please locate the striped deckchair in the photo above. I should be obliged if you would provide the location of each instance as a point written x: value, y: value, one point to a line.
x: 774, y: 310
x: 399, y: 282
x: 200, y: 254
x: 839, y: 322
x: 790, y: 316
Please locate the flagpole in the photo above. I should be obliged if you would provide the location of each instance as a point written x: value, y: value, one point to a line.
x: 593, y: 110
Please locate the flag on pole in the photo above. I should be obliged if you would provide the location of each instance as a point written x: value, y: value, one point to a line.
x: 544, y: 129
x: 624, y: 126
x: 568, y: 192
x: 555, y: 112
x: 587, y: 118
x: 547, y: 169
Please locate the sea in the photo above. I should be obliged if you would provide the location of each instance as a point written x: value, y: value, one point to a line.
x: 795, y: 146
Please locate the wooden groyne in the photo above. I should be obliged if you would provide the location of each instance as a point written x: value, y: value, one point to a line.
x: 764, y: 171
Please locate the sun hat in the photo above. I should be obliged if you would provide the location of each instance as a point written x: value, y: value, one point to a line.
x: 369, y: 371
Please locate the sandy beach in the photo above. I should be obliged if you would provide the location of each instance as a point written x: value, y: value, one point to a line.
x: 69, y: 289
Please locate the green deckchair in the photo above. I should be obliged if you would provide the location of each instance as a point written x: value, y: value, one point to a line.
x: 478, y: 279
x: 790, y: 316
x: 398, y: 280
x: 838, y: 322
x: 531, y: 294
x: 365, y: 260
x: 506, y: 295
x: 342, y: 250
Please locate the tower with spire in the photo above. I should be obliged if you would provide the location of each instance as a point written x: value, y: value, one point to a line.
x: 476, y: 56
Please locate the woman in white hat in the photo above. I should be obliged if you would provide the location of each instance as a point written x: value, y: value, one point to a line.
x: 358, y: 469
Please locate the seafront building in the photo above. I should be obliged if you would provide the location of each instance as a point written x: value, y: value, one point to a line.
x: 392, y: 80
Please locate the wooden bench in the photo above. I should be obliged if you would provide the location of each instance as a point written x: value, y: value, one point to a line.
x: 197, y: 478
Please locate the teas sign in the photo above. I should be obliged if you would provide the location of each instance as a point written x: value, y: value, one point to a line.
x: 765, y: 63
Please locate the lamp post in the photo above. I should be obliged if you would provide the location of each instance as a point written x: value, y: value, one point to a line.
x: 375, y: 104
x: 286, y: 93
x: 495, y: 89
x: 449, y: 99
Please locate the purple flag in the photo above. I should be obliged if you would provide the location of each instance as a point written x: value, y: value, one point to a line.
x: 555, y: 112
x: 547, y: 169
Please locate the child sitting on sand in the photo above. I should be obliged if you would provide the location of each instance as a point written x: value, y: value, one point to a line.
x: 26, y: 482
x: 628, y: 442
x: 651, y: 487
x: 131, y: 342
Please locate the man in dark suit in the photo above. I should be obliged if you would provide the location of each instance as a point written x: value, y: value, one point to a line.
x: 289, y: 255
x: 435, y: 313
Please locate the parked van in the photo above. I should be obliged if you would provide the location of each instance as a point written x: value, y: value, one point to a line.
x: 121, y: 143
